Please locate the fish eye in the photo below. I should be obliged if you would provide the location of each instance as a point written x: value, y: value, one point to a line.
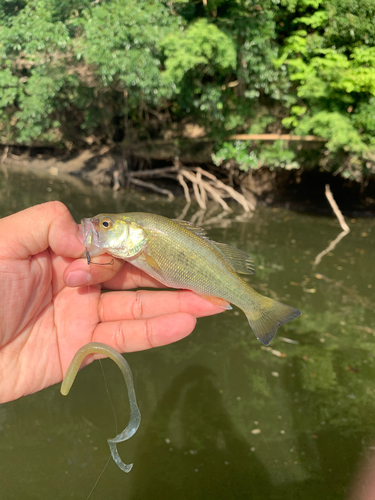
x: 106, y: 223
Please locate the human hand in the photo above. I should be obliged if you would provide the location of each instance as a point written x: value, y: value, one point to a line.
x: 51, y: 303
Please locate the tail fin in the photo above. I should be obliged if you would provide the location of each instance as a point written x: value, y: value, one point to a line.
x: 266, y: 321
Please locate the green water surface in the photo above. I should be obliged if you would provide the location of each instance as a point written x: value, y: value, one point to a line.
x: 222, y: 416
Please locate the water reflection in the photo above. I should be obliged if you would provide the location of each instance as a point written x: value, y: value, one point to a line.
x: 197, y: 444
x: 222, y: 418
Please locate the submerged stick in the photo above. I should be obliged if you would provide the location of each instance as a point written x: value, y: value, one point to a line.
x: 153, y: 187
x: 335, y: 208
x: 135, y: 414
x: 344, y: 226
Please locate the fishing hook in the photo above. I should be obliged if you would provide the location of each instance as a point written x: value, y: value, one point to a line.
x: 88, y: 257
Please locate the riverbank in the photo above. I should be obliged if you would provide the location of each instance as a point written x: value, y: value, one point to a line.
x: 300, y: 189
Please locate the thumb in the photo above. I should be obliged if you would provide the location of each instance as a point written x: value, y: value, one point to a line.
x: 33, y: 230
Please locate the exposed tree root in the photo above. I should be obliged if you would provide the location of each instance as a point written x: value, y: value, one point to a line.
x: 153, y: 187
x: 204, y: 185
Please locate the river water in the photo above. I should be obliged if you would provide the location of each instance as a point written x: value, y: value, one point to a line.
x: 222, y: 416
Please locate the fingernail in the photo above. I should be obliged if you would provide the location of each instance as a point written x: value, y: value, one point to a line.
x: 78, y: 278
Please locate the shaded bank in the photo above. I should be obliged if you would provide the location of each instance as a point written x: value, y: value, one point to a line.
x: 116, y: 167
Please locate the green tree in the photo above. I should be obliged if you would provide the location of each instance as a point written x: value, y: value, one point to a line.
x: 69, y: 70
x: 331, y: 61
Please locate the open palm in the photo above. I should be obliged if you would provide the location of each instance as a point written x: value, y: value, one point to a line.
x: 48, y: 310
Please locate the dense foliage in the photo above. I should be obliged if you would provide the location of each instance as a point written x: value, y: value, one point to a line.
x: 106, y: 71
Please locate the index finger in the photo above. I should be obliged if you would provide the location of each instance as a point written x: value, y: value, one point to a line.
x: 131, y: 277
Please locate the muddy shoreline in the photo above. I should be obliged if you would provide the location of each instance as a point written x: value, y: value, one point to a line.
x: 301, y: 189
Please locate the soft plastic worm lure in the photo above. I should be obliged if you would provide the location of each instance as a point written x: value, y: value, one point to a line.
x: 135, y: 414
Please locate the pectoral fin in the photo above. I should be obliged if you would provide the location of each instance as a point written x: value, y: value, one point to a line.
x: 151, y: 261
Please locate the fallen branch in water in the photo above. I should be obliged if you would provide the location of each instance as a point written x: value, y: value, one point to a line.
x: 343, y: 224
x: 153, y: 187
x: 247, y: 205
x: 336, y: 209
x: 204, y: 184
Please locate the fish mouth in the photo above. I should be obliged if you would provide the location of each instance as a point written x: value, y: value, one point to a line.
x: 90, y: 235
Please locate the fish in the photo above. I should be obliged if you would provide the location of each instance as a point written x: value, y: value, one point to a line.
x: 180, y: 255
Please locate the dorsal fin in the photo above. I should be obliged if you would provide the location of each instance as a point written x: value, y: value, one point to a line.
x: 199, y: 231
x: 239, y: 260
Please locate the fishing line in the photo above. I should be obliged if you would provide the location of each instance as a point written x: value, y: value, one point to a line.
x: 114, y: 413
x: 100, y: 475
x: 108, y: 394
x: 135, y: 416
x: 88, y: 257
x: 105, y: 383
